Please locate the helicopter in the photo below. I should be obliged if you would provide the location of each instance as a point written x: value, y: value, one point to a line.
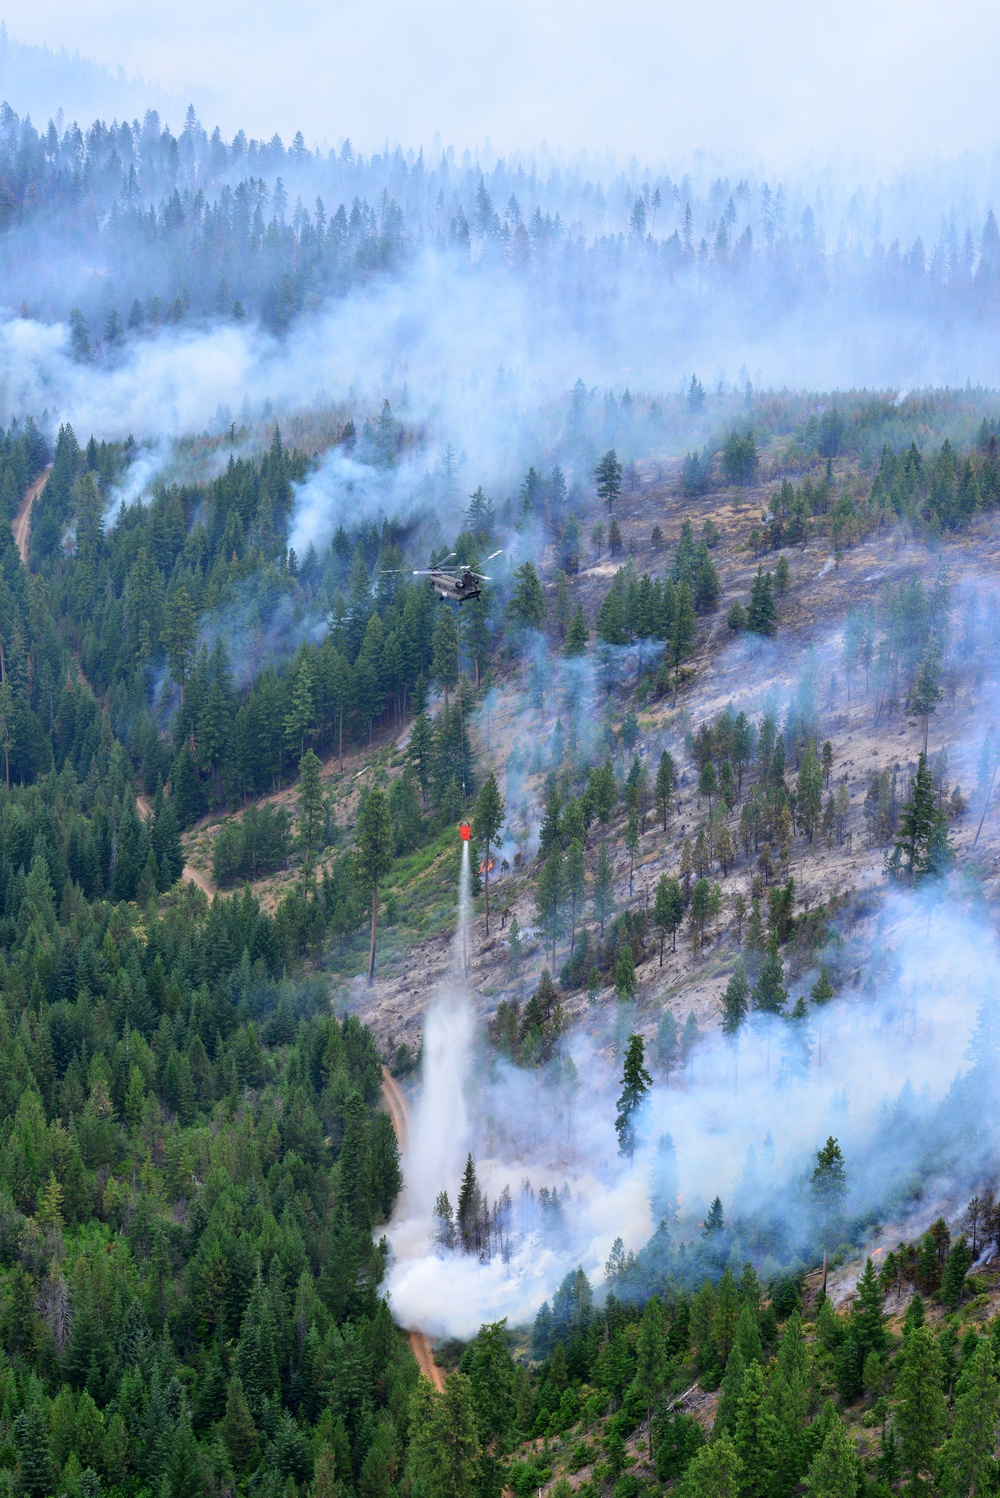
x: 455, y: 584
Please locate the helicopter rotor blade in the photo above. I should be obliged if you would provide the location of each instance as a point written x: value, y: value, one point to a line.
x: 492, y: 555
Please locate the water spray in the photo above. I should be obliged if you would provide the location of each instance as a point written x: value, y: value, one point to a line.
x: 464, y: 900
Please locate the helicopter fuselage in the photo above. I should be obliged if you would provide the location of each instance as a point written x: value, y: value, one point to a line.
x: 454, y: 587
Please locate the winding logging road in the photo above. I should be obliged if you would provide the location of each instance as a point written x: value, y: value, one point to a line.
x: 189, y: 874
x: 21, y: 524
x: 400, y: 1115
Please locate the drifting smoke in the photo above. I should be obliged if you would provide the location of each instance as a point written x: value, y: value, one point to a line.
x: 344, y: 490
x: 885, y: 1072
x: 149, y: 464
x: 481, y: 356
x: 887, y: 1067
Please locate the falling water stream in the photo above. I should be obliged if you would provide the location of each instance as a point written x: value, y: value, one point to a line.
x: 460, y: 951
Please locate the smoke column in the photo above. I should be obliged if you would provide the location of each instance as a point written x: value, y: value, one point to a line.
x: 439, y: 1136
x: 889, y: 1086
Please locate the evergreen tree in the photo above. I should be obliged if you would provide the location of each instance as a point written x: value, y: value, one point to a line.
x: 663, y: 789
x: 920, y: 1414
x: 790, y: 1394
x: 867, y: 1319
x: 828, y: 1189
x: 747, y: 1337
x: 575, y: 881
x: 310, y: 801
x: 469, y: 1204
x: 487, y: 821
x: 809, y: 792
x: 969, y: 1463
x: 923, y: 844
x: 444, y: 657
x: 727, y: 1310
x: 636, y: 1082
x: 668, y: 911
x: 299, y: 717
x: 445, y: 1451
x: 716, y: 1471
x: 180, y: 634
x: 663, y: 1181
x: 735, y: 1000
x: 625, y: 975
x: 34, y: 1475
x: 632, y: 844
x: 834, y: 1472
x: 667, y: 1048
x: 527, y: 607
x: 185, y: 1476
x: 956, y: 1267
x: 762, y: 610
x: 926, y: 693
x: 374, y: 851
x: 386, y: 1178
x: 730, y: 1393
x: 576, y: 635
x: 444, y: 1231
x: 756, y: 1437
x: 822, y: 990
x: 650, y: 1379
x: 491, y: 1374
x: 603, y: 894
x: 701, y: 909
x: 769, y: 995
x: 682, y: 633
x: 914, y: 1314
x: 354, y: 1195
x: 608, y: 477
x: 548, y: 899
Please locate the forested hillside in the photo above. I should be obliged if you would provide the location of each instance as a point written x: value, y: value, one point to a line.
x: 720, y: 698
x: 199, y: 227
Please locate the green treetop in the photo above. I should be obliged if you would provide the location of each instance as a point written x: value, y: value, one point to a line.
x: 834, y: 1472
x: 969, y: 1464
x: 828, y: 1188
x: 608, y: 477
x: 310, y: 801
x: 375, y: 845
x: 636, y: 1082
x: 668, y: 911
x: 663, y: 789
x: 762, y: 610
x: 487, y: 820
x: 651, y: 1362
x: 920, y: 1412
x: 445, y: 1449
x: 923, y: 843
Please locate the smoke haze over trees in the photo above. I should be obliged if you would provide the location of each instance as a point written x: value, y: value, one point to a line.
x: 713, y: 1018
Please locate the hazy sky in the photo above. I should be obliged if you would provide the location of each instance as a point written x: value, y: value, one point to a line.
x: 869, y: 83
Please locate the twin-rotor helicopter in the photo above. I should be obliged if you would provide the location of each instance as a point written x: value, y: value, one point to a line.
x: 456, y: 583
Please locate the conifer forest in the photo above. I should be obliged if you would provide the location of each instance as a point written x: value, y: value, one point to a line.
x: 499, y: 823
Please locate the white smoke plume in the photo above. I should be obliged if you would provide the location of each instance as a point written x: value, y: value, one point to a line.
x: 878, y: 1074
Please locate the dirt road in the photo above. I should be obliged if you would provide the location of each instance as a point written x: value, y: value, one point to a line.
x: 189, y: 874
x: 400, y: 1115
x: 21, y: 524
